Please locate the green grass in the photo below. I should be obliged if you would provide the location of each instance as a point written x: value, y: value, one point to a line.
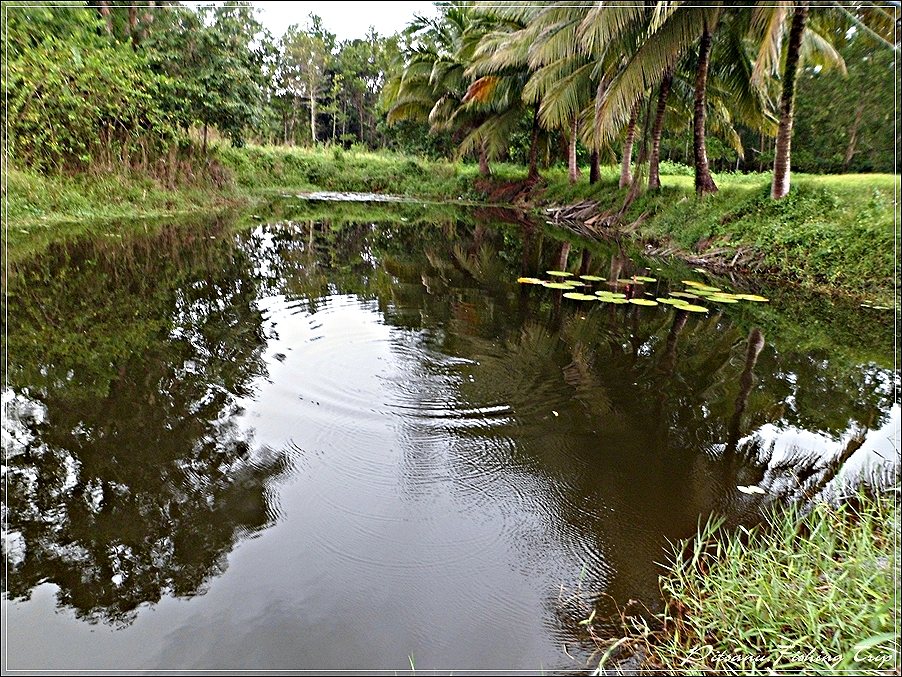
x: 818, y: 593
x: 831, y: 233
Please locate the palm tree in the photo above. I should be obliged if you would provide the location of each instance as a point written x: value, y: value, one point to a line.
x: 659, y: 36
x: 433, y: 84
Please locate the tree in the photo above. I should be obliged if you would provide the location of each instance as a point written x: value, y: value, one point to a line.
x: 306, y: 56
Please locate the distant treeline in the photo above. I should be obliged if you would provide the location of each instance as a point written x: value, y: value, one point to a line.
x: 149, y: 85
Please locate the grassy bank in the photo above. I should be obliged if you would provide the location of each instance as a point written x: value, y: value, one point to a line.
x: 830, y: 233
x: 816, y: 593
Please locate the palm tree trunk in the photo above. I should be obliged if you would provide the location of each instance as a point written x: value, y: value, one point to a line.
x: 572, y: 166
x: 626, y: 176
x: 594, y: 168
x: 704, y: 183
x: 533, y: 173
x: 563, y: 256
x: 654, y: 179
x: 780, y: 186
x: 483, y: 161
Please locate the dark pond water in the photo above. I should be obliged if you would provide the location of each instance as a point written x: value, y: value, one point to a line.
x: 347, y: 442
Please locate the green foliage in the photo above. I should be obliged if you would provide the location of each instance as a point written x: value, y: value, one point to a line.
x: 77, y: 101
x: 817, y: 592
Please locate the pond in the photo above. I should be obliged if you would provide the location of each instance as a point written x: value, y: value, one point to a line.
x: 336, y: 438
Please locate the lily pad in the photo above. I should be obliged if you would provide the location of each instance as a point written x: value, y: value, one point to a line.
x: 752, y: 297
x: 556, y: 285
x: 643, y: 302
x: 674, y: 302
x: 591, y: 278
x: 630, y: 281
x: 694, y: 283
x: 612, y: 294
x: 575, y: 283
x: 559, y: 273
x: 577, y: 296
x: 707, y: 288
x: 720, y: 299
x: 691, y: 308
x: 644, y: 278
x: 529, y: 280
x: 684, y: 294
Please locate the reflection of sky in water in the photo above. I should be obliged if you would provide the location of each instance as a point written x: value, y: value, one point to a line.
x: 432, y: 453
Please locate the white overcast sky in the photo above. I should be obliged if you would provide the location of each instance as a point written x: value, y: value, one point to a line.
x: 346, y: 19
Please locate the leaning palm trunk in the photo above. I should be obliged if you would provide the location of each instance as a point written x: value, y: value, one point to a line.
x: 533, y: 174
x: 654, y: 161
x: 484, y: 160
x: 572, y: 166
x: 594, y: 167
x: 704, y: 183
x: 626, y: 176
x: 780, y: 186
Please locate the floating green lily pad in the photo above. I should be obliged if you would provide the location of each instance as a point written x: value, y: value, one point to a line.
x: 643, y: 302
x: 720, y: 299
x: 559, y: 273
x: 752, y: 297
x: 674, y: 302
x: 529, y: 280
x: 575, y: 283
x: 706, y: 288
x: 556, y: 285
x: 691, y: 308
x: 684, y: 294
x: 577, y: 296
x: 612, y: 294
x: 694, y: 283
x: 629, y: 281
x: 591, y: 278
x: 644, y: 278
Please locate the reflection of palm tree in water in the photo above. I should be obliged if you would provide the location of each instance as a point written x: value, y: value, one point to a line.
x: 746, y: 380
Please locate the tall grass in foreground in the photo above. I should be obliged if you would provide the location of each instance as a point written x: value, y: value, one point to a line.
x: 815, y: 593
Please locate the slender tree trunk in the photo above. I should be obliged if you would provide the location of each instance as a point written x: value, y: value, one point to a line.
x: 313, y: 117
x: 780, y: 186
x: 853, y: 138
x: 594, y: 168
x: 133, y: 23
x: 147, y: 19
x: 563, y: 256
x: 104, y: 9
x: 205, y: 138
x: 704, y: 183
x: 572, y: 166
x: 654, y: 179
x: 533, y: 173
x: 585, y: 261
x: 626, y: 176
x: 483, y: 160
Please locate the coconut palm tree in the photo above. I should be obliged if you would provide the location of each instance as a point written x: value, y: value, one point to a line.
x: 659, y: 35
x: 433, y: 84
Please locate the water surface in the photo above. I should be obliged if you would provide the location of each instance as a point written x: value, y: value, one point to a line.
x: 360, y: 444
